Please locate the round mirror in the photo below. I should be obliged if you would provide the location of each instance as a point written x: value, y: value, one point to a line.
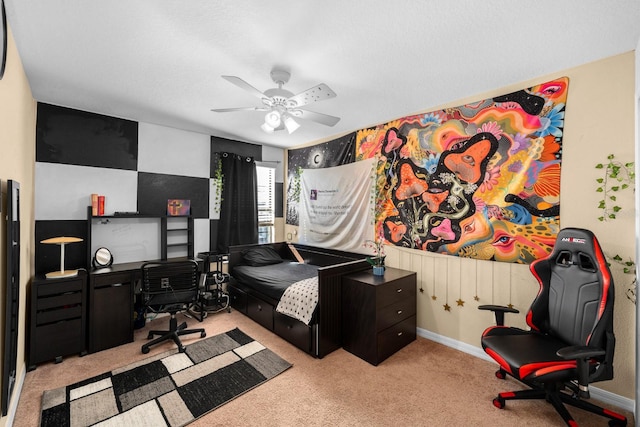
x: 102, y: 258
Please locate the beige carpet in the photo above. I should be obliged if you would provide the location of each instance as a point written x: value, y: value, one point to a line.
x: 425, y: 384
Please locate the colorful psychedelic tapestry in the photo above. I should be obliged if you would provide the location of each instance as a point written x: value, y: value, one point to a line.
x: 481, y: 180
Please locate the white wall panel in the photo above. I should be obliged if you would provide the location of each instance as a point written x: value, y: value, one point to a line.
x: 201, y: 235
x: 173, y: 151
x: 274, y: 157
x: 64, y: 191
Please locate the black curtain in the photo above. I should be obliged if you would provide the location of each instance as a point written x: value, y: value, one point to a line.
x: 238, y: 223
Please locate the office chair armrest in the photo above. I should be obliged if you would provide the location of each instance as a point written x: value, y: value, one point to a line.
x: 499, y: 311
x: 582, y: 354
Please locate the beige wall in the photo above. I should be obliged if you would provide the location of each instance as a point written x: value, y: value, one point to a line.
x: 17, y: 162
x: 599, y: 121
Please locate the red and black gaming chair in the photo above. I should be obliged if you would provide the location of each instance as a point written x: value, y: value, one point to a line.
x: 571, y: 341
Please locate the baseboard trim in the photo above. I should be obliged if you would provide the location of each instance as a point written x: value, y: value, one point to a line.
x: 604, y: 396
x: 15, y: 398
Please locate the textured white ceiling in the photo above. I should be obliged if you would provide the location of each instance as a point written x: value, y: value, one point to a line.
x: 160, y: 61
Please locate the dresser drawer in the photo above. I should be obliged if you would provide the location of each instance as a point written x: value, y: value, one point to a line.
x: 46, y: 289
x: 63, y: 313
x: 55, y: 340
x: 59, y: 301
x: 260, y: 311
x: 292, y: 330
x: 237, y: 299
x: 395, y: 337
x: 101, y: 280
x: 394, y: 291
x: 396, y: 312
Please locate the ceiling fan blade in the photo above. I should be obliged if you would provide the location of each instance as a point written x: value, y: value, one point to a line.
x: 244, y: 85
x: 227, y: 110
x: 321, y: 118
x: 317, y: 93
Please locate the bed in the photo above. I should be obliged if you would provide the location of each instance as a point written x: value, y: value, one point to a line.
x: 261, y: 274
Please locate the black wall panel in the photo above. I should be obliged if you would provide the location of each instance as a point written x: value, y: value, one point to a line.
x: 279, y: 189
x: 48, y: 256
x: 213, y: 233
x: 155, y: 189
x: 222, y: 145
x: 65, y: 135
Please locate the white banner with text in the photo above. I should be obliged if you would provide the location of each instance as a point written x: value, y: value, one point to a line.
x: 336, y: 208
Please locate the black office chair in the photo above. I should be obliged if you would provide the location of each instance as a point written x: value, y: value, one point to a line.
x: 571, y: 341
x: 170, y: 287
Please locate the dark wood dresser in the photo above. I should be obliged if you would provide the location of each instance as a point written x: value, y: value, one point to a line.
x: 57, y: 322
x: 378, y: 313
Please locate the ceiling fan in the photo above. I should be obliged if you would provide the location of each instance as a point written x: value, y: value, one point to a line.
x: 282, y: 106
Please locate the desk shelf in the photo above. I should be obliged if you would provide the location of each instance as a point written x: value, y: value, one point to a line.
x: 176, y: 232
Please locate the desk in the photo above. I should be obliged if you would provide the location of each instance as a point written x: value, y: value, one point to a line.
x: 112, y: 292
x: 88, y: 312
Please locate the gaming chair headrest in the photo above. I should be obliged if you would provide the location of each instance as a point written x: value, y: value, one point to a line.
x: 577, y: 245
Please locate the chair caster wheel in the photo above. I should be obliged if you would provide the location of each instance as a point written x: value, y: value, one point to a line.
x: 500, y: 374
x: 617, y: 423
x: 203, y: 334
x: 181, y: 349
x: 145, y: 350
x: 498, y: 402
x: 149, y: 336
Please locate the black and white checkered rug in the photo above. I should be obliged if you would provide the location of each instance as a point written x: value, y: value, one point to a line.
x: 170, y: 389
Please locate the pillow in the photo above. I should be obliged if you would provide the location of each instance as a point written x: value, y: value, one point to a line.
x: 260, y: 256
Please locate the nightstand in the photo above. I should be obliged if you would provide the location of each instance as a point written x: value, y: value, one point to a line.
x: 378, y: 313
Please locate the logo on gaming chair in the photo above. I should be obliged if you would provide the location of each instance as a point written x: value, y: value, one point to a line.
x: 574, y: 240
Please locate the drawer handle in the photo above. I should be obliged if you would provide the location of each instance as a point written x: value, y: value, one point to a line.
x: 259, y: 307
x: 399, y: 334
x: 399, y: 290
x: 399, y: 311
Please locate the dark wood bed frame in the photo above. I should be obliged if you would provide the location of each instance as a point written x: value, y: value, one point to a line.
x: 324, y: 333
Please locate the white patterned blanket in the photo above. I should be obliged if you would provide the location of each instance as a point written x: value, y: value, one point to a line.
x: 300, y: 299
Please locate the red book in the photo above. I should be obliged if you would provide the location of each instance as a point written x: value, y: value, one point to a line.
x: 100, y: 205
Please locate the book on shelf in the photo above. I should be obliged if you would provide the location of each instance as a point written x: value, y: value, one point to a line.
x: 94, y: 204
x: 101, y: 205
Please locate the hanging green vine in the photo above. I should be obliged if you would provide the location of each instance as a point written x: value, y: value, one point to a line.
x: 295, y: 194
x: 617, y: 177
x: 217, y: 184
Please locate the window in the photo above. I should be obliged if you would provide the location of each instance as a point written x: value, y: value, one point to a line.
x: 266, y: 203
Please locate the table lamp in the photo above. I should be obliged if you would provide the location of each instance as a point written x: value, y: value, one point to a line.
x: 62, y: 241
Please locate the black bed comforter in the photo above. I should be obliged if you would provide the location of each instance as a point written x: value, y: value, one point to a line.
x: 272, y: 280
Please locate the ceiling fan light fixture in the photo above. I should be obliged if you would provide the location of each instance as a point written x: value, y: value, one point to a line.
x: 265, y: 127
x: 273, y: 119
x: 290, y: 124
x: 282, y: 107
